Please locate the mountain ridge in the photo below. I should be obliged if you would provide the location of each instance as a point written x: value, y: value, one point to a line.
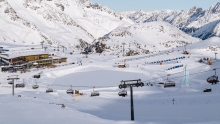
x: 192, y: 21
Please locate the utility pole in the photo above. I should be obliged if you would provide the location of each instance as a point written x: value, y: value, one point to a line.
x: 124, y: 85
x: 12, y: 82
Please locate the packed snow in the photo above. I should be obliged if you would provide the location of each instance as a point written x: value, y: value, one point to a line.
x: 99, y: 72
x: 148, y: 48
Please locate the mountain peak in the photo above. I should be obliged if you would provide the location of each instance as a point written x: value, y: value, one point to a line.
x: 215, y: 8
x: 195, y: 9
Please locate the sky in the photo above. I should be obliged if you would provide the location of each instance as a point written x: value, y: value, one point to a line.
x: 150, y: 5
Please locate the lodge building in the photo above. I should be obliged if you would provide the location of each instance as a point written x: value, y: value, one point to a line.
x: 29, y: 58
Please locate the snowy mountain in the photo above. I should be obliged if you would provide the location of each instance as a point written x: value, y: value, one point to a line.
x: 196, y: 21
x: 144, y: 38
x: 56, y: 22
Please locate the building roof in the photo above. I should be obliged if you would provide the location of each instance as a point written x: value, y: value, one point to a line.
x: 58, y: 57
x: 15, y: 54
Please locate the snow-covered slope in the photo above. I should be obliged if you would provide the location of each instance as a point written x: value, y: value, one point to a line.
x: 196, y: 21
x: 145, y: 38
x: 56, y: 22
x: 152, y: 104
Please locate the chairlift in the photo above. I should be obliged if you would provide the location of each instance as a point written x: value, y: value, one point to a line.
x: 70, y: 91
x: 20, y: 85
x: 213, y: 79
x: 122, y: 93
x: 35, y: 86
x: 169, y: 83
x: 48, y: 90
x: 207, y: 90
x: 94, y: 93
x: 10, y: 82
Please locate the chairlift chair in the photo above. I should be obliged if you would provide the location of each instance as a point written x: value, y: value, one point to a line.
x: 10, y: 82
x: 207, y: 90
x: 20, y: 85
x: 48, y: 90
x: 213, y: 79
x: 70, y: 91
x: 122, y: 93
x: 35, y: 86
x: 94, y: 93
x: 169, y: 83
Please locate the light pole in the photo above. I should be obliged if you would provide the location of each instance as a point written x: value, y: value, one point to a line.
x: 12, y: 82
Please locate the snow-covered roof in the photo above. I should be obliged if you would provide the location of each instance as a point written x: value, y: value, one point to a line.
x: 10, y: 55
x: 58, y: 57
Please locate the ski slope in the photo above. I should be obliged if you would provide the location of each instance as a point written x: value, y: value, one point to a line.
x: 152, y: 104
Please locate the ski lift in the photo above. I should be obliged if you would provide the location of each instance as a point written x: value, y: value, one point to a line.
x: 48, y: 90
x: 169, y: 83
x: 20, y: 85
x: 213, y: 79
x: 94, y: 93
x: 207, y: 90
x: 10, y: 82
x: 35, y: 86
x: 70, y: 91
x: 122, y: 93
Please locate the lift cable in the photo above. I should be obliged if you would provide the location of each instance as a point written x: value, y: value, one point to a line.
x: 84, y: 86
x: 181, y: 76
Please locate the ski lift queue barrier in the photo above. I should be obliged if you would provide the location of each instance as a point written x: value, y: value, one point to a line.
x: 178, y: 66
x: 153, y: 55
x: 168, y: 60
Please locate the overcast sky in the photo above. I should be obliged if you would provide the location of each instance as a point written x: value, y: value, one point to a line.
x: 150, y: 5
